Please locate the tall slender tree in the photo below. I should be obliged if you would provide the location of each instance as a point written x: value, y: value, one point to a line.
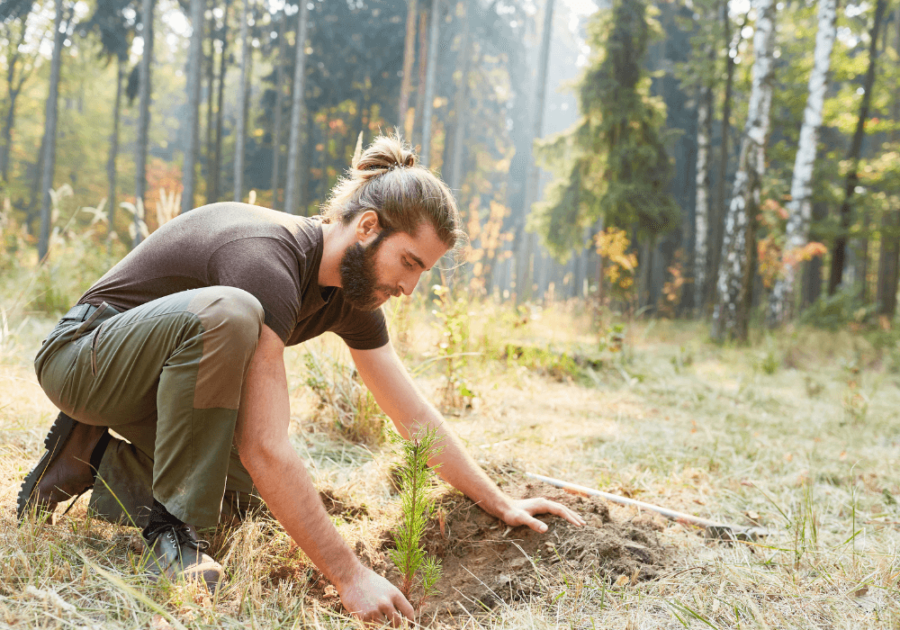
x: 889, y: 259
x: 143, y: 141
x: 60, y: 33
x: 526, y: 240
x: 460, y: 104
x: 192, y: 137
x: 279, y: 105
x: 731, y: 313
x: 781, y: 304
x: 431, y: 72
x: 839, y: 248
x: 240, y: 132
x: 216, y: 161
x: 291, y: 196
x: 719, y: 209
x: 409, y: 59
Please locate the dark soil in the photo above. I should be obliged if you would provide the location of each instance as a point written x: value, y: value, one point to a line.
x: 485, y: 562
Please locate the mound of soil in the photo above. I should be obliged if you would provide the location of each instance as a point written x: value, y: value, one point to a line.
x: 485, y: 562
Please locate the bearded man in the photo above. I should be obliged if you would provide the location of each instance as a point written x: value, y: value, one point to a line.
x: 179, y: 349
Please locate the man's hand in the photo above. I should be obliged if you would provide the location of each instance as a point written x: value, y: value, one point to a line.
x: 522, y: 511
x: 370, y: 597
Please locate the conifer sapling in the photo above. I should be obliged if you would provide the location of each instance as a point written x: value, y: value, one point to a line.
x: 417, y: 504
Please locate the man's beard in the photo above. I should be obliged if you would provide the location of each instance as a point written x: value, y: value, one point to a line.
x: 359, y: 280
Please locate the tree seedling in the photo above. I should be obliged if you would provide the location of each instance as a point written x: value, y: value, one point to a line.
x: 417, y: 504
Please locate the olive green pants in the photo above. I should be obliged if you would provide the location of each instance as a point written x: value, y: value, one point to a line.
x: 167, y: 376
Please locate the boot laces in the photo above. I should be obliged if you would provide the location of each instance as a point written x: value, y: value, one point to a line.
x: 180, y: 535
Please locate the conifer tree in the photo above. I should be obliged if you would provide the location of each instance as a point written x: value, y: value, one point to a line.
x: 612, y: 164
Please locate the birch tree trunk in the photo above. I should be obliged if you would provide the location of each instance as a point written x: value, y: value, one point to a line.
x: 291, y: 187
x: 701, y: 214
x: 240, y: 133
x: 735, y: 274
x: 409, y: 59
x: 781, y: 304
x: 276, y: 126
x: 13, y: 89
x: 719, y: 209
x: 193, y: 120
x: 839, y: 249
x: 433, y: 36
x: 59, y: 40
x: 114, y: 148
x: 143, y: 139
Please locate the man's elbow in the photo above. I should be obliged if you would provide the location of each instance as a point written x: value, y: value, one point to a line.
x: 258, y: 454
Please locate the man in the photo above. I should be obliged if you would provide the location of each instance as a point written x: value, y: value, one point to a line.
x: 180, y: 349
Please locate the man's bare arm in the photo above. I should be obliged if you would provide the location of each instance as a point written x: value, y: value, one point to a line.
x: 279, y: 474
x: 397, y: 395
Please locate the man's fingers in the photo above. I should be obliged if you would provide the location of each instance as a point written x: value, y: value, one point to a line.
x: 390, y: 613
x: 535, y: 524
x: 564, y: 512
x: 404, y: 606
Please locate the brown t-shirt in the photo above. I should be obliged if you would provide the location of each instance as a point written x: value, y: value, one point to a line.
x: 272, y: 255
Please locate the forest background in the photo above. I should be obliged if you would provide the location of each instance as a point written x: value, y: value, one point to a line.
x: 594, y: 149
x: 636, y: 178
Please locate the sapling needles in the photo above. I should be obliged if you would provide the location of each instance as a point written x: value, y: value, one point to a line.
x: 417, y: 504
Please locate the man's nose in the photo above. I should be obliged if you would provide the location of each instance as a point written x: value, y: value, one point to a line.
x: 408, y: 285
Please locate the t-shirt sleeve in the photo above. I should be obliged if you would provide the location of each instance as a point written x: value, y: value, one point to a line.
x: 362, y: 330
x: 268, y: 270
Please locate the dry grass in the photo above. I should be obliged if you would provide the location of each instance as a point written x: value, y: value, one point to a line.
x: 769, y: 433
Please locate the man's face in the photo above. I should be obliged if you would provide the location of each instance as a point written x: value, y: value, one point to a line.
x: 387, y: 264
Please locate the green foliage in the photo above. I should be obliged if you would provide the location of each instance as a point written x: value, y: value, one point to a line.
x: 417, y: 504
x: 833, y: 312
x: 341, y: 395
x: 453, y: 346
x: 613, y: 163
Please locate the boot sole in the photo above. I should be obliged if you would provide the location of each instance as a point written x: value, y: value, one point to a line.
x: 56, y: 438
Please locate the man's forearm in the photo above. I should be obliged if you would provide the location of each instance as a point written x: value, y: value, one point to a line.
x: 285, y: 485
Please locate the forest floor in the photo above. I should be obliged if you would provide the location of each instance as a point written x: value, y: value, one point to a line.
x: 797, y: 433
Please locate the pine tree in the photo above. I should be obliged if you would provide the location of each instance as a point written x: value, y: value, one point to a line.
x: 612, y: 164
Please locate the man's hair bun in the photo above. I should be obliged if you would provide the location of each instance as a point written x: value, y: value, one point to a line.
x: 387, y: 178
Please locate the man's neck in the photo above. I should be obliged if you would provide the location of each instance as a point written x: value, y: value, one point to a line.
x: 334, y: 244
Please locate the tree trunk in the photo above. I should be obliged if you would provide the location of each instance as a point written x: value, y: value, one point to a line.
x: 460, y: 106
x: 210, y: 107
x: 731, y: 314
x: 416, y: 135
x: 718, y: 225
x: 143, y: 139
x: 433, y: 40
x: 889, y: 259
x: 50, y: 132
x: 13, y: 88
x: 291, y: 189
x: 527, y: 241
x: 276, y: 127
x: 701, y: 213
x: 781, y: 304
x: 240, y: 132
x: 193, y: 119
x: 839, y: 249
x: 114, y: 148
x: 409, y: 59
x: 215, y: 170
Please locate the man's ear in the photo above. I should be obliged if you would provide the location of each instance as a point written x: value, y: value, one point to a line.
x: 367, y: 226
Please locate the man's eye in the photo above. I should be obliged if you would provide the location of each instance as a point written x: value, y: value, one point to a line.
x: 407, y: 264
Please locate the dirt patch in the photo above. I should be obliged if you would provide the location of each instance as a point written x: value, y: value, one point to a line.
x: 485, y: 562
x: 337, y: 504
